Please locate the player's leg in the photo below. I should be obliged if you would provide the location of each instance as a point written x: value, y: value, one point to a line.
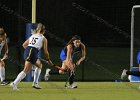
x: 55, y: 71
x: 71, y: 80
x: 37, y: 74
x: 2, y: 71
x: 127, y: 72
x: 21, y: 75
x: 134, y: 73
x: 2, y: 74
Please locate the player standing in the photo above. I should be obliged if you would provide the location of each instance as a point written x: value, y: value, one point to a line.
x: 3, y: 45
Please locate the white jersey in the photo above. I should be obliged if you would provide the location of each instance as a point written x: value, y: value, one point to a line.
x: 1, y: 46
x: 36, y: 40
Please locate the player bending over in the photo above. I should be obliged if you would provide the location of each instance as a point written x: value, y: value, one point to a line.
x: 67, y: 54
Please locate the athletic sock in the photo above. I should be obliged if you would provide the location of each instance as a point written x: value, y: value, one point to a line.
x: 135, y: 73
x: 2, y: 73
x: 36, y: 75
x: 20, y: 76
x: 71, y: 78
x: 54, y: 71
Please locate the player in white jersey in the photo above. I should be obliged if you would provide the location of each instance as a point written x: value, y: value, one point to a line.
x: 3, y: 45
x: 32, y: 47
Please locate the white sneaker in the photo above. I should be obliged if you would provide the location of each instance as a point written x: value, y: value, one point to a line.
x: 129, y: 77
x: 36, y: 86
x: 3, y: 83
x: 123, y: 74
x: 139, y: 87
x: 47, y: 75
x: 14, y: 87
x: 73, y: 85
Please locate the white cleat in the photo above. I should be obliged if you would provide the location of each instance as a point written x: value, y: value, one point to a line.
x: 14, y: 87
x: 72, y: 86
x: 123, y: 74
x: 36, y: 86
x: 3, y: 83
x: 47, y: 75
x: 139, y: 87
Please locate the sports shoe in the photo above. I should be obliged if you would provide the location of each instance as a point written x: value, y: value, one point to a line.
x: 139, y: 87
x: 14, y: 86
x: 36, y: 86
x: 3, y: 83
x: 129, y: 77
x: 123, y: 74
x: 73, y: 85
x: 47, y: 75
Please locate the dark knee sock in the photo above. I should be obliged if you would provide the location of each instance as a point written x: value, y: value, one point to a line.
x: 135, y: 73
x: 54, y: 71
x: 71, y: 77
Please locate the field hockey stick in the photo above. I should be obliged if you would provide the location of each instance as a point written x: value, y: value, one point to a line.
x: 71, y: 73
x: 56, y: 66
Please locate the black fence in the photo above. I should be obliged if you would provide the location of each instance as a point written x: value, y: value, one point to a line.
x: 103, y: 25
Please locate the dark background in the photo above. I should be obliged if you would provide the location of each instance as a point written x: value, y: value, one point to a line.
x: 104, y: 26
x: 63, y: 19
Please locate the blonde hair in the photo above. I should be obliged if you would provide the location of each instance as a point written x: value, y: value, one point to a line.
x: 40, y: 27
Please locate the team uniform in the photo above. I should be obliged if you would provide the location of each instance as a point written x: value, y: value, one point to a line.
x: 128, y: 72
x: 2, y: 69
x: 1, y: 46
x: 63, y: 54
x: 31, y: 55
x: 76, y: 46
x: 35, y: 44
x: 138, y: 58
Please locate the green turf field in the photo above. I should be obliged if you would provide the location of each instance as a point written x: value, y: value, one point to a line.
x: 85, y: 91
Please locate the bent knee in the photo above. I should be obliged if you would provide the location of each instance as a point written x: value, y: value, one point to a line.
x: 40, y: 66
x: 2, y: 64
x: 61, y: 72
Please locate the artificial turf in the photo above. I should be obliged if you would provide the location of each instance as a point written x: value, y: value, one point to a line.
x: 85, y: 91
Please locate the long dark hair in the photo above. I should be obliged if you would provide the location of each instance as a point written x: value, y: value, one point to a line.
x: 2, y: 31
x: 75, y: 37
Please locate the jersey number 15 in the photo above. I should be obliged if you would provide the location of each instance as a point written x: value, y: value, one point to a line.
x: 33, y: 41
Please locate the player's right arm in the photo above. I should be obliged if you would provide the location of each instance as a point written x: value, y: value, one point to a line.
x: 45, y: 49
x: 25, y: 44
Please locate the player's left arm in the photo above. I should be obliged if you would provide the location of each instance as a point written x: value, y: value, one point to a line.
x: 83, y: 48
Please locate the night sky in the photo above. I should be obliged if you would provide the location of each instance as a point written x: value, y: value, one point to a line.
x: 98, y: 22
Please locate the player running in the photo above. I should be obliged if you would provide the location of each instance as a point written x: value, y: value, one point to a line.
x: 3, y: 45
x: 32, y: 46
x: 67, y: 54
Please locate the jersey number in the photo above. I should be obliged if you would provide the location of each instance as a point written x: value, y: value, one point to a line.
x: 33, y: 41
